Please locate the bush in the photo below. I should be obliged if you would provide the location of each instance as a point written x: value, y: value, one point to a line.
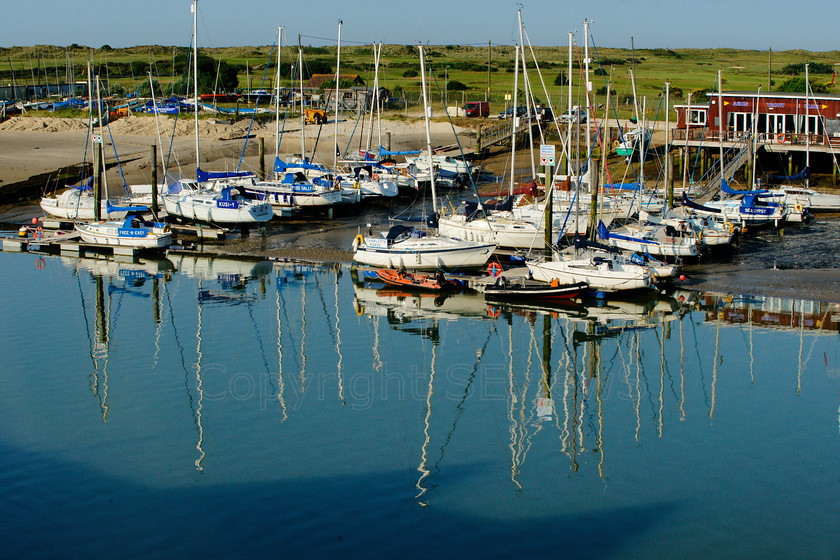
x: 603, y: 91
x: 797, y: 84
x: 117, y: 90
x: 561, y: 79
x: 455, y: 85
x: 411, y: 73
x: 144, y: 90
x: 813, y: 68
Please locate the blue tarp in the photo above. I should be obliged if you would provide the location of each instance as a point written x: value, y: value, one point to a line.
x: 801, y: 176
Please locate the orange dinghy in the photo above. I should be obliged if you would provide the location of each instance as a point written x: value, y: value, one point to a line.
x: 437, y: 282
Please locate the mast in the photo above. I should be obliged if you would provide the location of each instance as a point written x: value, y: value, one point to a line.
x: 687, y: 130
x: 587, y: 86
x: 720, y: 124
x: 755, y: 138
x: 669, y: 188
x: 277, y: 97
x: 99, y: 144
x: 569, y: 128
x: 337, y: 81
x: 527, y: 93
x: 375, y: 89
x: 428, y: 132
x: 302, y: 116
x: 378, y: 104
x: 194, y: 9
x: 807, y: 130
x: 513, y: 116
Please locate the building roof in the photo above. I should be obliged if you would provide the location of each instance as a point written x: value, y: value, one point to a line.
x: 317, y: 80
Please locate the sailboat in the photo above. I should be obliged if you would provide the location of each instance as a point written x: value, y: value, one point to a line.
x: 402, y: 246
x: 133, y: 231
x: 197, y: 200
x: 79, y: 201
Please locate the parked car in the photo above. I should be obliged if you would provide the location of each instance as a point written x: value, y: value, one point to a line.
x: 572, y: 115
x: 508, y: 113
x: 477, y: 109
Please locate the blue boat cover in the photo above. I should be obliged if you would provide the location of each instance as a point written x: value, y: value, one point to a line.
x: 724, y: 186
x: 384, y: 152
x: 111, y: 208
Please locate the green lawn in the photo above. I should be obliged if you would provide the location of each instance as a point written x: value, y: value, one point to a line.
x: 688, y: 70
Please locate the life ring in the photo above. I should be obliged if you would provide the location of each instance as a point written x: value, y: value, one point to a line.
x: 356, y: 185
x: 40, y: 264
x: 358, y: 241
x: 616, y: 143
x: 493, y: 312
x: 781, y: 138
x: 376, y: 176
x: 360, y: 310
x: 494, y: 269
x: 798, y: 208
x: 39, y: 233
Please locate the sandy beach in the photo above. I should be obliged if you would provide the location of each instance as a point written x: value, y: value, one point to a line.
x: 32, y: 147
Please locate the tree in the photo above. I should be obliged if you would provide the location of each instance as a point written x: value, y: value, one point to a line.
x: 797, y: 84
x: 208, y: 67
x: 145, y: 90
x: 455, y: 85
x: 561, y: 79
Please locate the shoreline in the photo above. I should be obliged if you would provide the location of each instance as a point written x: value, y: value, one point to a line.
x: 28, y: 153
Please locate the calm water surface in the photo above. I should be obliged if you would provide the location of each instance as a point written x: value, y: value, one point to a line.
x: 217, y: 408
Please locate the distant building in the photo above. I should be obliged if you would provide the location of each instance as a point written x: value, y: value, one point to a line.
x: 780, y: 121
x: 317, y: 80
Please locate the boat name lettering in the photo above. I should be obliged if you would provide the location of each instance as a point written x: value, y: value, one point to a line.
x: 375, y: 243
x: 227, y: 204
x: 303, y: 188
x: 132, y: 232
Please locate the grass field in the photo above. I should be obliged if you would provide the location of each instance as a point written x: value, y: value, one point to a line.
x: 687, y: 70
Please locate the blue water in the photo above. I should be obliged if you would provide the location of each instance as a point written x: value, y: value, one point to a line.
x: 218, y: 408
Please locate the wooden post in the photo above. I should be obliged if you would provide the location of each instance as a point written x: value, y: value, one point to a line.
x: 790, y: 163
x: 262, y: 158
x: 154, y: 181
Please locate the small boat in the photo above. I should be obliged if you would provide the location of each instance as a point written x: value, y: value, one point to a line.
x: 504, y: 290
x: 402, y: 246
x: 133, y: 231
x: 437, y: 282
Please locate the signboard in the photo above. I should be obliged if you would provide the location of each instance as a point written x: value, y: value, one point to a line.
x: 547, y: 154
